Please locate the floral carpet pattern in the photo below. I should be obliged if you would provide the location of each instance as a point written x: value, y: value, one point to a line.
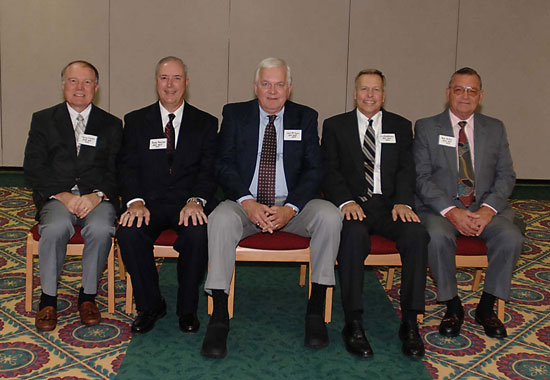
x: 73, y: 351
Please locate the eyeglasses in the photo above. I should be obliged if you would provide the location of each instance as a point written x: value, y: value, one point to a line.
x: 459, y: 90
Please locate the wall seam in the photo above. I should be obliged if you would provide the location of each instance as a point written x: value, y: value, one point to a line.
x: 457, y: 33
x: 347, y: 58
x: 109, y: 56
x: 228, y: 51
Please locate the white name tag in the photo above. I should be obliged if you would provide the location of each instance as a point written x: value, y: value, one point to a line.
x: 387, y: 138
x: 89, y: 140
x: 293, y: 135
x: 158, y: 143
x: 449, y: 141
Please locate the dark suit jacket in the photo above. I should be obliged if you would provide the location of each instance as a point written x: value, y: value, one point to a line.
x: 239, y: 151
x: 144, y: 172
x: 437, y: 168
x: 51, y: 164
x: 344, y: 177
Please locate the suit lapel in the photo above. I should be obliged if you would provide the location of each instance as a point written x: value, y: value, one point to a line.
x: 446, y: 129
x: 353, y: 141
x: 250, y: 136
x: 480, y: 141
x: 65, y: 127
x: 93, y: 127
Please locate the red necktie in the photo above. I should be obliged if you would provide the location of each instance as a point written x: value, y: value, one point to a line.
x: 268, y: 157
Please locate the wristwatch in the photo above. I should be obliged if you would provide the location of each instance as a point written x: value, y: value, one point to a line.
x: 198, y: 201
x: 100, y: 194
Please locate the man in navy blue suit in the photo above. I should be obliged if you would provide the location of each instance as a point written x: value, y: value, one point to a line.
x: 269, y: 166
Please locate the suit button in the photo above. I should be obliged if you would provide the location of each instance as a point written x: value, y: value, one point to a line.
x: 77, y: 179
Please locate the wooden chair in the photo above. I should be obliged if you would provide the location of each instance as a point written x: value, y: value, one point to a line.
x: 161, y: 248
x: 277, y: 247
x: 74, y: 248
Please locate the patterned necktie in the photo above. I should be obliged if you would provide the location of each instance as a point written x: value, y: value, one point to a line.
x: 368, y: 162
x: 465, y: 168
x: 78, y: 131
x: 170, y: 137
x: 268, y: 157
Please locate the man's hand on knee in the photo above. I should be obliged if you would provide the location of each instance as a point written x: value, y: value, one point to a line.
x: 69, y: 200
x: 258, y: 214
x: 485, y: 216
x: 466, y: 222
x: 136, y: 212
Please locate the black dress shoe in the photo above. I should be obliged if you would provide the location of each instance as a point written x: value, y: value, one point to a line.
x: 145, y: 320
x: 189, y: 323
x: 316, y: 331
x: 450, y: 324
x: 215, y: 340
x: 412, y: 342
x: 355, y: 340
x: 494, y: 328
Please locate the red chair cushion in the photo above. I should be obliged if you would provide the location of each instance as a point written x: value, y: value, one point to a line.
x: 76, y: 239
x: 470, y: 246
x: 167, y: 237
x: 380, y: 245
x: 279, y: 240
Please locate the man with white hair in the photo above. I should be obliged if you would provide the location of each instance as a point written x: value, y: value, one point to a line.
x: 269, y: 166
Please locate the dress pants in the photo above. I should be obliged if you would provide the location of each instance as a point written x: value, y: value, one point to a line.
x: 56, y: 227
x: 136, y: 246
x: 229, y: 224
x: 504, y: 241
x: 411, y: 240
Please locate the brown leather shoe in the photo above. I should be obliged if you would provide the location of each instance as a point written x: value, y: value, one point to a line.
x: 46, y: 319
x: 89, y: 313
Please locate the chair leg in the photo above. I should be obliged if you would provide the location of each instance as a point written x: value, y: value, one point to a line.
x: 420, y: 318
x: 111, y: 280
x: 303, y: 269
x: 389, y: 278
x: 231, y: 296
x: 328, y: 305
x: 28, y: 272
x: 477, y: 280
x: 129, y: 294
x: 121, y: 268
x: 500, y: 309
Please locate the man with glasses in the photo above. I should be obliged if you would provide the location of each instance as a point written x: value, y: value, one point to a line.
x: 464, y: 178
x: 70, y: 162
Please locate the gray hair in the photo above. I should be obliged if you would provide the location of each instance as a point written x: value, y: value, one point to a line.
x: 268, y: 63
x: 170, y: 58
x: 81, y: 63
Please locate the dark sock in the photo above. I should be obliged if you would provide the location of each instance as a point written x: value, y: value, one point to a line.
x: 409, y: 317
x: 220, y: 312
x: 83, y: 297
x: 353, y: 315
x: 454, y: 306
x: 486, y: 304
x: 46, y: 300
x: 317, y: 300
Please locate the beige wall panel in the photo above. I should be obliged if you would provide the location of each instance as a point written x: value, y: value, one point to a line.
x: 310, y: 35
x: 144, y: 31
x: 413, y: 43
x: 508, y: 42
x: 38, y: 39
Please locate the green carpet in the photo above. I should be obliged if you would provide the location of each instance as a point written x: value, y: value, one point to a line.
x: 266, y: 337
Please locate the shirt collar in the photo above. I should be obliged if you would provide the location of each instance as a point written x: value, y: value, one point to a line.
x: 455, y: 119
x: 363, y: 119
x: 264, y: 114
x: 164, y: 112
x: 85, y: 113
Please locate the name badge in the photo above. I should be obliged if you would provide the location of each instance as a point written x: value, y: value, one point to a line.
x: 449, y: 141
x: 158, y: 143
x: 293, y: 135
x: 387, y: 138
x: 89, y: 140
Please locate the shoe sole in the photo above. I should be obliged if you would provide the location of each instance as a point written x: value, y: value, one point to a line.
x: 213, y: 356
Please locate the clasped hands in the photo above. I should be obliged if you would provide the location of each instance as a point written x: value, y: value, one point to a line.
x: 79, y: 205
x: 140, y: 214
x: 268, y: 219
x: 352, y: 210
x: 470, y: 223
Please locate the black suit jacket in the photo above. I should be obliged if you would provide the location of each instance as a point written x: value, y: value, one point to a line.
x: 144, y: 172
x: 238, y: 153
x: 51, y: 164
x: 344, y: 177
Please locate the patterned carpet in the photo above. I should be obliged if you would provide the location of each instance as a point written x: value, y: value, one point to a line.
x: 76, y: 352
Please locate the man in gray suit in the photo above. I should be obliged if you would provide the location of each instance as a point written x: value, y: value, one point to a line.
x: 464, y: 178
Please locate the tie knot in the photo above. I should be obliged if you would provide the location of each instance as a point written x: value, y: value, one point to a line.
x: 272, y: 118
x: 462, y: 124
x: 370, y: 122
x: 171, y: 117
x: 79, y: 118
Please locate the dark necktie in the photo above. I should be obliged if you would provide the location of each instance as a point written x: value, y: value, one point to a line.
x: 369, y: 149
x: 170, y: 137
x: 268, y: 157
x: 465, y: 168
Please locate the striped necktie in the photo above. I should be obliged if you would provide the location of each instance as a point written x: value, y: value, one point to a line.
x: 369, y: 149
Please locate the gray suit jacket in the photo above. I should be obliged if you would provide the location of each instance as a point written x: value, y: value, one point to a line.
x: 437, y: 168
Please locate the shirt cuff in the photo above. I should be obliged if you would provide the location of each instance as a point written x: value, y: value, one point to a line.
x: 445, y: 211
x: 410, y: 208
x: 199, y: 198
x: 296, y: 209
x: 134, y: 200
x: 491, y: 207
x: 343, y: 204
x: 245, y: 198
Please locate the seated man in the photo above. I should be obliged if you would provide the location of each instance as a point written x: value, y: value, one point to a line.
x: 167, y: 181
x: 464, y: 178
x: 369, y: 174
x: 70, y: 162
x: 269, y: 166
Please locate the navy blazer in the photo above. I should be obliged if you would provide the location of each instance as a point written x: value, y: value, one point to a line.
x: 238, y: 151
x: 51, y: 164
x: 344, y: 177
x: 144, y: 172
